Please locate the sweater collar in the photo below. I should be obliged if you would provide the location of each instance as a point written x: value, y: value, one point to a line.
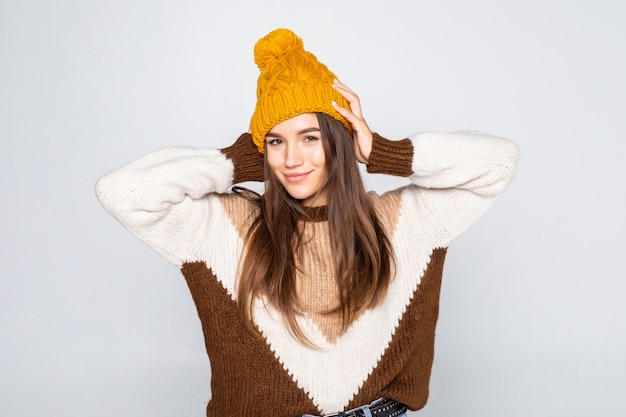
x: 314, y: 214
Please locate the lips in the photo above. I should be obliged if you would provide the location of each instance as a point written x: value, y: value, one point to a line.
x: 296, y: 177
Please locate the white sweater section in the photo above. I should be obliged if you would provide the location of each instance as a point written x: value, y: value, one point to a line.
x: 166, y: 198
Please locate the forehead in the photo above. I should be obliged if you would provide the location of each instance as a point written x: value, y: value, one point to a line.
x: 304, y: 121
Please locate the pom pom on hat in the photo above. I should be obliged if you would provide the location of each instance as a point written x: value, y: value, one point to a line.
x: 292, y: 81
x: 274, y: 46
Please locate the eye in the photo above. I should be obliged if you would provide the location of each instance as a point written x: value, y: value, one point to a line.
x: 311, y: 138
x: 273, y: 142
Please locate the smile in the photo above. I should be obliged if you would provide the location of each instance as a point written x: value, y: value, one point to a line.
x: 297, y: 177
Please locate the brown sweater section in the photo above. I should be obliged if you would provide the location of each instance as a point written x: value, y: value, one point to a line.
x: 391, y: 157
x: 242, y: 362
x: 403, y: 373
x: 244, y: 371
x: 246, y: 158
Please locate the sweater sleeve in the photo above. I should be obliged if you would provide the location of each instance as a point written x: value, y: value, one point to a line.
x: 163, y: 197
x: 455, y: 176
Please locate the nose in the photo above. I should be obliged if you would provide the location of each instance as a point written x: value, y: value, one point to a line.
x: 293, y: 158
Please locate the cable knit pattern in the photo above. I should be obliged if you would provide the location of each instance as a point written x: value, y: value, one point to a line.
x: 291, y: 82
x: 176, y: 200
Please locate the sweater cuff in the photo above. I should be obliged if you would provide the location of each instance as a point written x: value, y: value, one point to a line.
x: 391, y: 157
x: 246, y: 158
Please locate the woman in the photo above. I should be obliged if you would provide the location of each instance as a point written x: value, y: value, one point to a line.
x: 316, y: 297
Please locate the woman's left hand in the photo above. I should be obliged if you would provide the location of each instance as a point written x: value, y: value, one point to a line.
x: 363, y: 137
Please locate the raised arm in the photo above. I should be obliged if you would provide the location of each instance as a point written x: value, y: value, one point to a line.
x: 163, y: 197
x: 457, y: 176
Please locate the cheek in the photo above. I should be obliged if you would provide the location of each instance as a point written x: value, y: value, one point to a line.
x: 272, y: 159
x: 318, y: 157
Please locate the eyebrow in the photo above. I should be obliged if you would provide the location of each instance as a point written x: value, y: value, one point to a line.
x: 271, y: 134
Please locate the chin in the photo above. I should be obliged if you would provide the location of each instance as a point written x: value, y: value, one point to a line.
x: 300, y: 196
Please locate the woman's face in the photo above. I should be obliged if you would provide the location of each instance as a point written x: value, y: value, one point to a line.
x: 295, y: 154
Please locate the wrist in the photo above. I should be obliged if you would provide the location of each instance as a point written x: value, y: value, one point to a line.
x: 392, y: 157
x: 246, y: 158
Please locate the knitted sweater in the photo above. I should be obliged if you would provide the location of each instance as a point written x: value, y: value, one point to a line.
x: 177, y: 201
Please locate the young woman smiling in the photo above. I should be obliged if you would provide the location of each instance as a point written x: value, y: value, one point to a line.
x: 295, y: 155
x: 315, y: 297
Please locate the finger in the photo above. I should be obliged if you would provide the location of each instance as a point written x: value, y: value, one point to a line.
x: 350, y: 96
x: 346, y: 92
x: 346, y: 113
x: 359, y: 125
x: 343, y: 86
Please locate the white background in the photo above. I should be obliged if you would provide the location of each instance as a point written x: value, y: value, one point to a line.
x: 533, y: 318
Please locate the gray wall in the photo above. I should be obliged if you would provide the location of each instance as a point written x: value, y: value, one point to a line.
x: 93, y: 323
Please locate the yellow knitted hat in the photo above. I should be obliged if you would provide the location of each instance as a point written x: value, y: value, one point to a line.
x: 292, y: 82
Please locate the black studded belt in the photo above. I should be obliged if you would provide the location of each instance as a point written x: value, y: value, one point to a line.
x: 381, y: 408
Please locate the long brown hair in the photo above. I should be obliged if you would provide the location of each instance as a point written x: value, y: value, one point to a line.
x: 362, y: 254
